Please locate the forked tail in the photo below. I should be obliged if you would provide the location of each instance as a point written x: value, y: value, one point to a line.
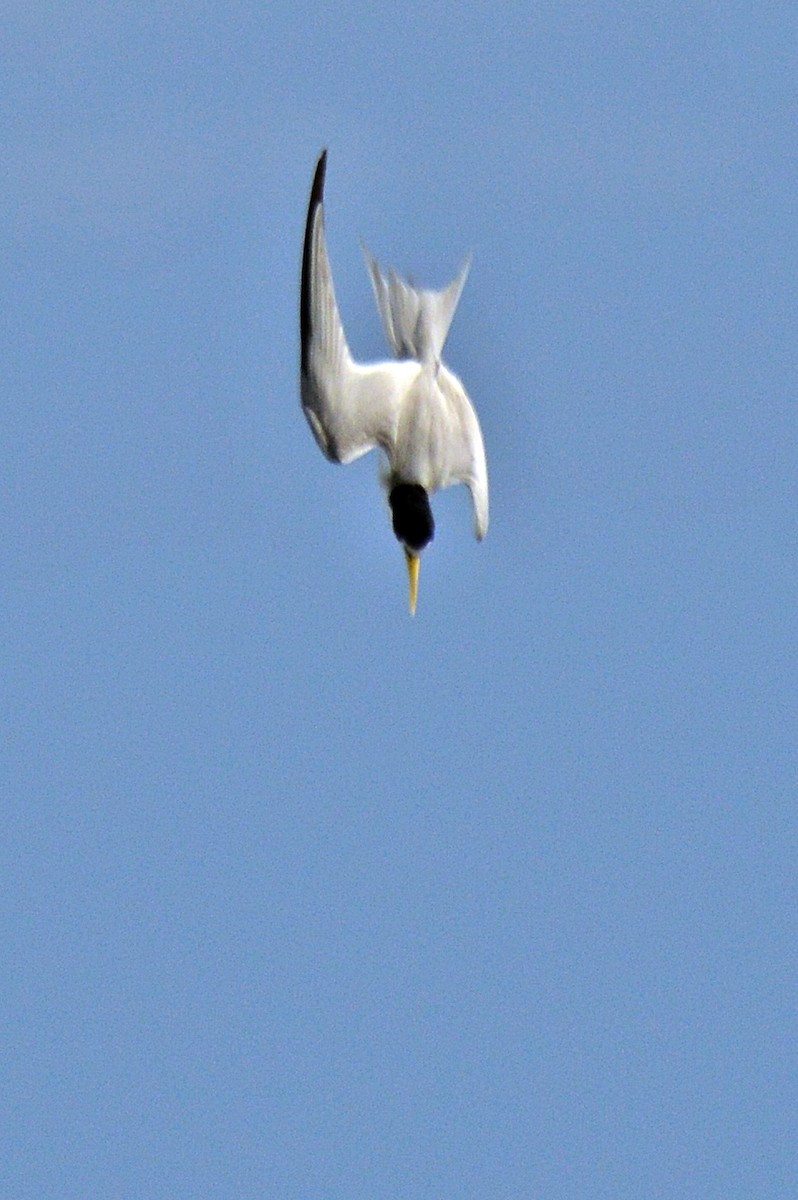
x: 416, y: 320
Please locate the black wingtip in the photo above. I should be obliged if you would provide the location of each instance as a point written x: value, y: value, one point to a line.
x: 317, y: 191
x: 316, y: 198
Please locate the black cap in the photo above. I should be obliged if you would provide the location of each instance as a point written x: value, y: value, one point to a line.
x: 413, y: 523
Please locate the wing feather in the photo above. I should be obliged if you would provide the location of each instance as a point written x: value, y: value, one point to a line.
x: 350, y: 407
x: 468, y: 464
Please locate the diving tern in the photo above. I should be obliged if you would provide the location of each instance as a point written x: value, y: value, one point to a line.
x: 413, y: 407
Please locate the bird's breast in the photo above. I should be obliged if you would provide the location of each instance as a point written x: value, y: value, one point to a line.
x: 424, y: 436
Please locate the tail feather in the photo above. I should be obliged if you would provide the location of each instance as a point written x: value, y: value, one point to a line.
x: 416, y: 321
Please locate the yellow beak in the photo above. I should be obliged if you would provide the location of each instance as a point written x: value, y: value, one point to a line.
x: 413, y: 565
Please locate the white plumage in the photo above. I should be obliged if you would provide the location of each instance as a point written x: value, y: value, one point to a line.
x: 414, y: 408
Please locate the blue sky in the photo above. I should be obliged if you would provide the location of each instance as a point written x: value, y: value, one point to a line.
x: 303, y: 897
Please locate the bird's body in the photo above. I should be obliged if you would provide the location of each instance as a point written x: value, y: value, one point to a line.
x: 414, y: 408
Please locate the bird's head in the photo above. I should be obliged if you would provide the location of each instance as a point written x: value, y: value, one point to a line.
x: 414, y: 527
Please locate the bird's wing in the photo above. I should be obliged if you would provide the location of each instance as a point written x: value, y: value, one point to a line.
x: 466, y: 448
x: 416, y: 321
x: 350, y: 407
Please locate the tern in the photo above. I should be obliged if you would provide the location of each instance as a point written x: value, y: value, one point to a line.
x: 412, y: 407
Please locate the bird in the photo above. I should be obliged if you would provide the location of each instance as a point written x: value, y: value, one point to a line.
x: 412, y: 407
